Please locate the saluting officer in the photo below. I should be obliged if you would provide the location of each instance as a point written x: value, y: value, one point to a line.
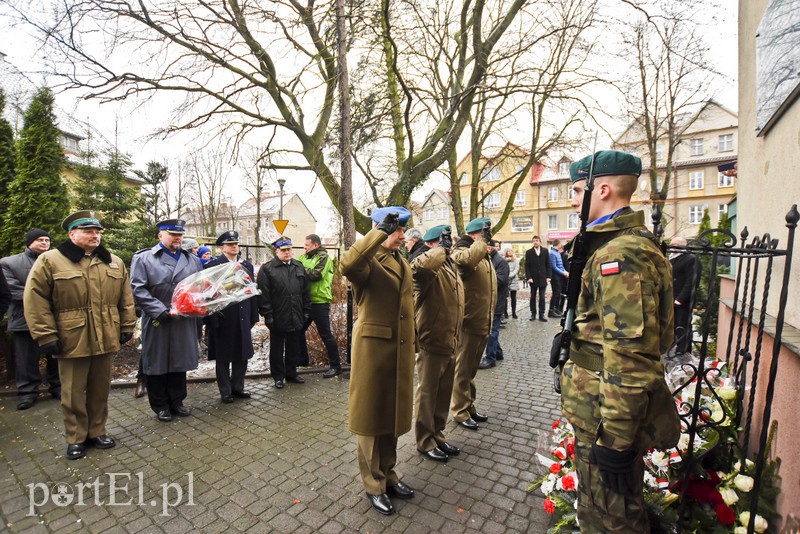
x: 78, y: 308
x: 480, y: 296
x: 613, y: 388
x: 382, y: 372
x: 169, y: 344
x: 439, y: 306
x: 230, y: 342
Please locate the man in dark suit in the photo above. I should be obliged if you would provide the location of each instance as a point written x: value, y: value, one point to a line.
x: 537, y: 272
x: 229, y: 340
x: 685, y: 280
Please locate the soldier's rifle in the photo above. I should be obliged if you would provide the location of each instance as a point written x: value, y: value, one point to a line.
x: 559, y: 353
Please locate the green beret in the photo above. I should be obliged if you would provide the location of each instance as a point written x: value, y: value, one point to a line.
x: 476, y: 225
x: 606, y: 163
x: 435, y: 232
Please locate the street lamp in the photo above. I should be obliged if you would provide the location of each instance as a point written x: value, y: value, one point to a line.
x: 281, y: 182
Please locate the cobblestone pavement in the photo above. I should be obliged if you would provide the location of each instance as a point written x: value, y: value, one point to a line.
x: 282, y: 461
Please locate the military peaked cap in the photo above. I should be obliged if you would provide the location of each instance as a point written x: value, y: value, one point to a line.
x: 231, y: 236
x: 173, y: 226
x: 606, y: 163
x: 282, y: 242
x: 81, y: 219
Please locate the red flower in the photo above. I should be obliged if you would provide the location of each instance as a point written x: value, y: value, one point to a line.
x: 555, y: 468
x: 549, y: 505
x: 725, y: 515
x: 571, y: 449
x: 556, y: 423
x: 568, y: 482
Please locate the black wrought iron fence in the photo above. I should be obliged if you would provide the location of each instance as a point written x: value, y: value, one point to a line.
x: 754, y: 262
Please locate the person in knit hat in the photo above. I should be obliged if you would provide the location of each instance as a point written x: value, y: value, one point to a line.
x: 28, y: 377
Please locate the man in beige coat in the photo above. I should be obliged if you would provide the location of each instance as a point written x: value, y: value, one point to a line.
x: 79, y: 308
x: 439, y: 305
x: 480, y: 296
x: 382, y: 372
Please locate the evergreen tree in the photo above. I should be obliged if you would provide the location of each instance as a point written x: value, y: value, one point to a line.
x: 716, y: 240
x: 152, y: 197
x: 37, y: 197
x: 7, y: 166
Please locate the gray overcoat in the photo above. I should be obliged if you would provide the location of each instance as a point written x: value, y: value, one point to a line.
x: 170, y: 347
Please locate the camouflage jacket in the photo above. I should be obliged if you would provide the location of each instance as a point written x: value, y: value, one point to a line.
x: 614, y: 384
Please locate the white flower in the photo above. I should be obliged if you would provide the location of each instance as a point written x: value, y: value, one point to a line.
x: 729, y: 495
x: 683, y: 442
x: 743, y: 483
x: 650, y: 480
x: 660, y: 459
x: 549, y: 483
x: 726, y: 393
x: 740, y: 530
x: 760, y: 523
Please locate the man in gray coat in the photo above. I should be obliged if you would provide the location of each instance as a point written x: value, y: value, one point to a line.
x: 26, y: 350
x: 169, y: 344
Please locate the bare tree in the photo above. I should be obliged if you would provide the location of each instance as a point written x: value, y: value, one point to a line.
x: 209, y: 175
x: 175, y: 189
x: 243, y: 66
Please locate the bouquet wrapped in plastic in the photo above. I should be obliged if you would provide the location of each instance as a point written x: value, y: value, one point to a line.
x: 212, y: 290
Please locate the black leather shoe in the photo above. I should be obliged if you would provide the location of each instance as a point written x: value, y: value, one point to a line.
x: 101, y: 442
x: 279, y: 384
x: 485, y: 365
x: 330, y: 373
x: 449, y: 450
x: 514, y: 316
x: 533, y: 318
x: 75, y: 451
x: 479, y: 417
x: 499, y: 357
x: 164, y: 415
x: 400, y: 490
x: 543, y: 318
x: 469, y: 424
x: 181, y: 411
x: 26, y: 403
x: 227, y: 399
x: 242, y: 394
x: 381, y: 503
x: 296, y: 379
x: 140, y: 389
x: 436, y: 454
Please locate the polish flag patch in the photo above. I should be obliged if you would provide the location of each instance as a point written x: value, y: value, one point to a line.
x: 611, y: 267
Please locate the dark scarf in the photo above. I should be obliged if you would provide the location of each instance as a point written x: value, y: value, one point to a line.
x: 465, y: 241
x: 418, y: 248
x: 75, y: 254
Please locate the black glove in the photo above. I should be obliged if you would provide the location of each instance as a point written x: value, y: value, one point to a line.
x: 124, y: 337
x: 51, y: 349
x: 390, y: 223
x: 486, y: 233
x: 446, y: 241
x: 616, y: 468
x: 268, y: 322
x: 164, y: 318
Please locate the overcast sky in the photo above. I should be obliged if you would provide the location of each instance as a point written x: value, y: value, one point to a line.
x: 130, y: 126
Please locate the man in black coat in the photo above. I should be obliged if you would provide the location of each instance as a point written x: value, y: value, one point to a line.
x: 537, y: 272
x: 285, y: 303
x: 493, y: 350
x: 685, y: 280
x: 230, y: 342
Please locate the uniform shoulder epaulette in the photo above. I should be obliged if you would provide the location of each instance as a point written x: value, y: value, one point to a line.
x: 140, y: 250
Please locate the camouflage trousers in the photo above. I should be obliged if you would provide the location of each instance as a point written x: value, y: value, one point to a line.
x: 601, y: 510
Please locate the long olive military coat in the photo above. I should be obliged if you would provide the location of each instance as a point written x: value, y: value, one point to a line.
x: 382, y: 373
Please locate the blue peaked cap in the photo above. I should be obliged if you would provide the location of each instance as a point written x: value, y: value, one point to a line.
x: 379, y: 214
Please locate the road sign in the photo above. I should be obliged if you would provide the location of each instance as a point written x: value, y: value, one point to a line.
x: 280, y: 224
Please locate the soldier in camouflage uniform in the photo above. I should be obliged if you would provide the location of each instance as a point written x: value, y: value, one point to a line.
x: 613, y: 388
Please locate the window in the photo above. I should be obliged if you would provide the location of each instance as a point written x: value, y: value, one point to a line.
x: 659, y: 182
x: 570, y: 193
x: 522, y: 224
x: 443, y: 212
x: 492, y: 201
x: 722, y: 209
x: 519, y: 200
x: 70, y: 143
x: 726, y: 143
x: 696, y: 214
x: 696, y: 179
x: 696, y: 147
x: 563, y: 168
x: 518, y: 169
x: 552, y: 194
x: 725, y: 181
x: 464, y: 178
x: 464, y: 203
x: 428, y: 214
x: 490, y: 174
x: 552, y: 222
x: 573, y: 222
x: 659, y: 151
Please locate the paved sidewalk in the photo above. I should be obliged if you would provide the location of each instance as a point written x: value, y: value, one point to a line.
x: 283, y: 461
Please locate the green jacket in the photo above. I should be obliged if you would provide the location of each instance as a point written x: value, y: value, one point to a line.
x: 438, y: 301
x: 480, y: 284
x: 319, y: 269
x: 614, y: 384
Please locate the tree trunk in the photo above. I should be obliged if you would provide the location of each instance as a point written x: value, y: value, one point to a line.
x: 346, y: 191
